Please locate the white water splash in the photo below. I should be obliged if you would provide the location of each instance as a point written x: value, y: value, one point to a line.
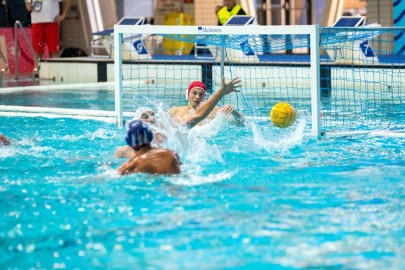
x: 8, y: 151
x: 192, y: 176
x: 190, y: 147
x: 105, y: 173
x: 25, y: 147
x: 212, y: 128
x: 103, y: 133
x: 280, y: 139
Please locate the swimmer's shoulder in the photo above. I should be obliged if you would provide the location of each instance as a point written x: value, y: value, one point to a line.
x: 176, y: 110
x: 173, y: 111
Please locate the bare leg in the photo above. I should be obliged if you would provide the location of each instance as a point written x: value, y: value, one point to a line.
x: 35, y: 72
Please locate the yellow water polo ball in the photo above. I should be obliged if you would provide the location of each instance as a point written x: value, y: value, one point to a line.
x: 282, y: 115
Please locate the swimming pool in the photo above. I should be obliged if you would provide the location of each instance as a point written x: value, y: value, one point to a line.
x: 252, y: 197
x: 88, y: 96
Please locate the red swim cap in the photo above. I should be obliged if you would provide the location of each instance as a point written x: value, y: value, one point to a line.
x: 196, y: 84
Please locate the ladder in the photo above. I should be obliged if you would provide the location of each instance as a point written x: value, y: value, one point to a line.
x: 18, y: 25
x: 5, y: 69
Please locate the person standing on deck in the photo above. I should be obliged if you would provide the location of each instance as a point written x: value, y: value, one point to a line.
x: 45, y: 20
x: 229, y: 9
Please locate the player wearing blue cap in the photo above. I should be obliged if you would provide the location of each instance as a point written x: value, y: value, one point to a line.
x: 147, y: 159
x: 146, y: 115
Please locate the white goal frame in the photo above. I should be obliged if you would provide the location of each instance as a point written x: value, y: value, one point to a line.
x: 311, y: 30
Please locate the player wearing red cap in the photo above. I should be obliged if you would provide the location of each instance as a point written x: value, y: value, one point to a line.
x: 197, y: 110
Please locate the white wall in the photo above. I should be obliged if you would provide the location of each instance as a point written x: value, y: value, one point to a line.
x: 138, y: 8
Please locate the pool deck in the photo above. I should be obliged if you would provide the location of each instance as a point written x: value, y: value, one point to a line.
x: 101, y: 69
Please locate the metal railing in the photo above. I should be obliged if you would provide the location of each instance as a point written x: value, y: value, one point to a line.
x: 17, y: 25
x: 5, y: 69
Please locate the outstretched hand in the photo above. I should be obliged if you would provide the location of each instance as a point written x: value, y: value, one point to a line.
x: 232, y: 86
x: 227, y: 110
x: 237, y: 116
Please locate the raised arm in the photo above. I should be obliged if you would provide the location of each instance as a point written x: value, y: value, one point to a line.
x: 206, y: 108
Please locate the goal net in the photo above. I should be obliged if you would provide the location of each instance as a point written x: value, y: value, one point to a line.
x: 342, y: 79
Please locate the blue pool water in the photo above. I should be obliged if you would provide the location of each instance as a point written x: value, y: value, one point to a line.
x: 251, y: 197
x: 101, y: 99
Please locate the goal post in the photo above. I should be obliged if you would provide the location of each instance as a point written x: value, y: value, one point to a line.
x: 341, y: 79
x: 233, y: 50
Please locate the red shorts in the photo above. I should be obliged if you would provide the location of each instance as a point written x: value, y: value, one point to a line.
x: 45, y: 34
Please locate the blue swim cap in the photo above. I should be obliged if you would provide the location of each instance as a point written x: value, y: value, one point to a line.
x: 138, y: 134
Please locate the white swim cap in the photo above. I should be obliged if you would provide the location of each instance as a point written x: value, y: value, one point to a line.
x: 140, y: 111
